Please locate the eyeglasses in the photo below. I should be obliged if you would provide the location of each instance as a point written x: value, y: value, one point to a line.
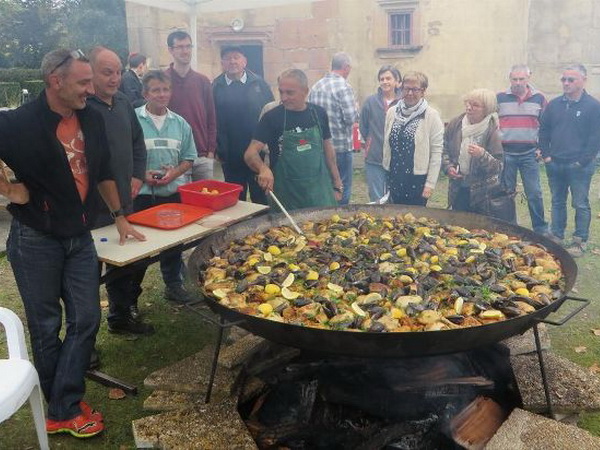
x: 75, y: 54
x: 411, y: 90
x: 183, y: 47
x: 569, y: 79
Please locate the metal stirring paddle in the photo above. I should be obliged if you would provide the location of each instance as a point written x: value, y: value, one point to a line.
x: 292, y: 221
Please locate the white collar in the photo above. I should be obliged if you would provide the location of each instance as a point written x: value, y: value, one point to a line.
x: 242, y: 80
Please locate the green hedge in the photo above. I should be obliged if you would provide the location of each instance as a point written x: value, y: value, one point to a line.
x: 10, y: 94
x: 23, y: 79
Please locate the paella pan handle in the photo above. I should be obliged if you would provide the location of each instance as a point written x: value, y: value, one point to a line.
x: 584, y: 303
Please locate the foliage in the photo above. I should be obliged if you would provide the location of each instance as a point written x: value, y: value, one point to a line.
x: 19, y: 75
x: 10, y: 94
x: 31, y: 28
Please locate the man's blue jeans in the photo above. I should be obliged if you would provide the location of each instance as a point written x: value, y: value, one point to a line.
x: 344, y: 165
x: 530, y: 175
x: 47, y: 269
x: 565, y: 177
x: 376, y: 177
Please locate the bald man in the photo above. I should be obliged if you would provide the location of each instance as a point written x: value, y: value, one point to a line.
x: 128, y: 164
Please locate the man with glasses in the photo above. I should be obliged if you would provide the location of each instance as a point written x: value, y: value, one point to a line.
x: 192, y: 98
x: 569, y: 141
x: 334, y: 93
x: 57, y: 149
x: 239, y: 98
x: 519, y: 110
x: 128, y: 165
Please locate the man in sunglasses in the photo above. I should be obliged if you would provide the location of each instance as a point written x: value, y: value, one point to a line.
x: 569, y: 141
x: 57, y: 149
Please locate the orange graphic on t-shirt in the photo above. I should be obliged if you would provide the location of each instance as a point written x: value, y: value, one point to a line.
x: 71, y: 137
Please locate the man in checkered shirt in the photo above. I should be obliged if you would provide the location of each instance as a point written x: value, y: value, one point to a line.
x: 335, y: 94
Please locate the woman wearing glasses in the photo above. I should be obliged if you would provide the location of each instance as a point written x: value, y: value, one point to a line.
x: 412, y: 146
x: 473, y: 154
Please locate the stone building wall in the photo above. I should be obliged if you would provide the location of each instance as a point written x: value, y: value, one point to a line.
x: 459, y: 44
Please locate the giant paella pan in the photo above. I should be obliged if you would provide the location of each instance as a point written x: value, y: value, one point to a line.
x: 383, y: 280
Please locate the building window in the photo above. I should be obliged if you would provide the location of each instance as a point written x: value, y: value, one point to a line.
x: 400, y: 29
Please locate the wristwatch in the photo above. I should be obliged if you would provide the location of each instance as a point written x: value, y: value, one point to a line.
x: 117, y: 213
x: 338, y: 189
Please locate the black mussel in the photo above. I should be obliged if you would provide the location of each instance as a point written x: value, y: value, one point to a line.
x: 376, y: 312
x: 529, y: 259
x: 456, y: 319
x: 449, y: 269
x: 543, y: 298
x: 357, y: 322
x: 261, y: 280
x: 517, y: 250
x: 497, y: 288
x: 239, y: 275
x: 311, y: 283
x: 377, y: 327
x: 481, y: 306
x: 375, y: 277
x: 464, y: 291
x: 241, y: 286
x: 530, y: 301
x: 510, y: 264
x: 511, y: 311
x: 411, y: 253
x: 301, y: 301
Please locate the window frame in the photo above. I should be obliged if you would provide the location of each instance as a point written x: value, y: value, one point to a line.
x: 409, y: 30
x: 406, y: 50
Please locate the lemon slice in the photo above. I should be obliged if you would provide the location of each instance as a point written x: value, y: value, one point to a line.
x: 335, y: 288
x: 397, y: 313
x: 272, y: 289
x: 265, y: 309
x: 288, y: 280
x: 358, y: 310
x: 263, y: 269
x: 312, y: 275
x: 274, y: 250
x: 334, y: 265
x: 294, y: 267
x: 268, y: 256
x: 220, y: 293
x: 289, y: 295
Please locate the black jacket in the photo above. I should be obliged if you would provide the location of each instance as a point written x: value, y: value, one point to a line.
x: 131, y: 86
x: 238, y: 107
x: 570, y: 131
x: 29, y: 146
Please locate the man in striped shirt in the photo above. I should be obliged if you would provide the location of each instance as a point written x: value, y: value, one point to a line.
x: 519, y: 109
x: 335, y: 95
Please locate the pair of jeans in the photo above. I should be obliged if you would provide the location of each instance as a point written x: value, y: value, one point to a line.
x: 562, y: 178
x: 344, y: 165
x: 376, y: 177
x: 244, y: 176
x: 171, y: 262
x: 47, y: 269
x: 530, y: 175
x: 203, y: 168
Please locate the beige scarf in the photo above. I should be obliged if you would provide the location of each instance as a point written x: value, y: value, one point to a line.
x: 472, y: 133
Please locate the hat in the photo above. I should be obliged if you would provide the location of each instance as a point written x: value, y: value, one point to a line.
x: 231, y: 49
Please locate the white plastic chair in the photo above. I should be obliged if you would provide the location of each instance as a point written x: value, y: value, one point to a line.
x: 19, y: 380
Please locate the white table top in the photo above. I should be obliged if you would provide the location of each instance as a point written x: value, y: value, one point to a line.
x: 106, y: 239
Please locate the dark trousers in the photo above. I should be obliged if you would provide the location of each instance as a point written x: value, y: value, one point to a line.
x: 244, y: 176
x: 171, y: 263
x: 47, y: 269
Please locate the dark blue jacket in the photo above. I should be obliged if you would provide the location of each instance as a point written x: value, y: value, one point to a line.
x: 29, y: 146
x: 570, y: 131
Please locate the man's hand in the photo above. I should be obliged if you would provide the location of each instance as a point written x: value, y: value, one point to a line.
x: 547, y: 159
x: 427, y: 191
x: 338, y: 196
x: 126, y: 230
x: 476, y: 151
x: 15, y: 192
x: 265, y: 178
x: 136, y: 185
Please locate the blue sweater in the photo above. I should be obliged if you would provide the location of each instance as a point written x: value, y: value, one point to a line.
x: 570, y: 131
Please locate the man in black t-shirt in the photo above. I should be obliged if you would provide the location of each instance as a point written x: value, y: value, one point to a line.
x: 302, y: 170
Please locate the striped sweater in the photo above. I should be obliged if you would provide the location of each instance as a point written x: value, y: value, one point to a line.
x: 519, y: 120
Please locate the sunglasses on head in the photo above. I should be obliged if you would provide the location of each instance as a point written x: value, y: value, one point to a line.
x: 75, y: 54
x: 569, y: 79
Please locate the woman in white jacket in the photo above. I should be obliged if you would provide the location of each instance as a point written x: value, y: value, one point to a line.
x: 413, y: 142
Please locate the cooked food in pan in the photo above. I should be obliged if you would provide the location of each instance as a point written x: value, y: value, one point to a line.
x: 383, y: 274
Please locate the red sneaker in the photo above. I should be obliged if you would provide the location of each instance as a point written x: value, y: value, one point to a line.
x: 90, y: 412
x: 80, y: 426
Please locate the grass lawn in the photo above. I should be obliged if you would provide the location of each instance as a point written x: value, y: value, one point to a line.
x: 181, y: 333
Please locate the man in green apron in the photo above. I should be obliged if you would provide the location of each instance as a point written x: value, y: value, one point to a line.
x: 302, y: 171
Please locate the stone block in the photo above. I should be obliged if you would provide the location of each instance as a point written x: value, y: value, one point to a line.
x: 526, y: 431
x: 572, y: 388
x: 525, y: 343
x: 212, y: 426
x: 191, y: 375
x: 319, y: 59
x: 325, y: 9
x: 171, y: 401
x: 240, y: 351
x: 301, y: 33
x: 297, y: 56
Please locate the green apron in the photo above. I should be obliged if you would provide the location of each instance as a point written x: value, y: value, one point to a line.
x: 302, y: 179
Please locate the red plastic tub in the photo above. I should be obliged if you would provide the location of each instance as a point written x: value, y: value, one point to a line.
x: 228, y: 195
